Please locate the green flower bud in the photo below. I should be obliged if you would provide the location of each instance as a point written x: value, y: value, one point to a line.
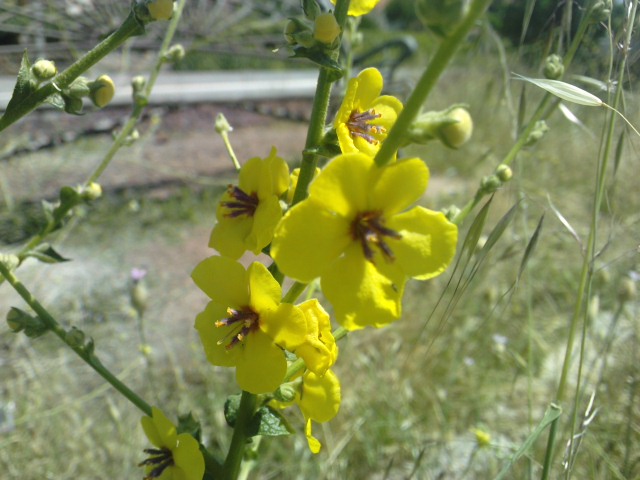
x: 17, y: 319
x: 326, y: 29
x: 75, y: 337
x: 139, y: 297
x: 627, y: 290
x: 451, y: 212
x: 102, y: 91
x: 91, y: 192
x: 452, y: 126
x: 553, y: 67
x: 222, y: 124
x: 297, y: 32
x: 504, y: 173
x: 44, y: 70
x: 174, y: 54
x: 287, y: 392
x: 138, y: 83
x: 600, y: 11
x: 160, y: 9
x: 457, y: 134
x: 539, y: 129
x: 79, y: 88
x: 490, y: 184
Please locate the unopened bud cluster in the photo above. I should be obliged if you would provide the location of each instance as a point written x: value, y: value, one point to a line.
x: 553, y: 67
x: 491, y: 183
x: 324, y: 33
x: 539, y: 130
x: 99, y: 91
x: 20, y: 321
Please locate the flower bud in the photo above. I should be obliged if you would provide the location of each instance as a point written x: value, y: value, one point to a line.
x: 75, y: 337
x: 102, y: 91
x: 504, y: 173
x: 539, y: 129
x: 44, y: 70
x: 91, y: 192
x: 553, y: 67
x: 17, y: 319
x: 483, y: 439
x: 138, y: 83
x: 222, y: 124
x: 79, y: 88
x: 174, y: 54
x: 490, y: 184
x: 287, y: 392
x: 160, y: 9
x: 326, y: 28
x: 453, y: 127
x: 451, y: 212
x: 457, y: 134
x: 600, y: 11
x: 298, y: 33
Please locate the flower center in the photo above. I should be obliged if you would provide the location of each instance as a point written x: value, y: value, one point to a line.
x: 242, y: 203
x: 242, y: 322
x: 359, y: 125
x: 368, y: 228
x: 159, y: 459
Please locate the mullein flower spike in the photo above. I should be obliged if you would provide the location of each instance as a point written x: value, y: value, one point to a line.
x: 357, y: 233
x: 175, y: 456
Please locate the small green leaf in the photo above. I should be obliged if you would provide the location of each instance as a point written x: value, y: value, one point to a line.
x: 269, y: 423
x: 188, y: 424
x: 320, y: 57
x: 551, y: 415
x: 565, y: 91
x: 25, y: 85
x: 56, y: 101
x: 231, y: 407
x: 46, y: 254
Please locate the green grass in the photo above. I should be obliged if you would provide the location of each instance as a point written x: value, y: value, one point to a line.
x: 413, y: 392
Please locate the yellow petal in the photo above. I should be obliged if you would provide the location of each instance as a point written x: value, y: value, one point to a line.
x: 159, y: 429
x: 307, y: 239
x: 274, y: 178
x: 320, y: 398
x: 286, y: 325
x: 262, y: 365
x: 428, y: 242
x: 229, y: 236
x: 363, y: 293
x: 369, y: 87
x: 343, y: 186
x: 215, y: 339
x: 399, y: 185
x: 223, y: 280
x: 265, y: 219
x: 188, y: 459
x: 314, y: 444
x: 250, y: 175
x: 319, y: 350
x: 265, y: 291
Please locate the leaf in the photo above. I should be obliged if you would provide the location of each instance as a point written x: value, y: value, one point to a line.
x: 551, y: 415
x: 270, y: 423
x: 565, y: 91
x: 56, y: 100
x: 25, y: 85
x: 320, y: 57
x: 533, y: 241
x: 46, y: 254
x: 231, y: 407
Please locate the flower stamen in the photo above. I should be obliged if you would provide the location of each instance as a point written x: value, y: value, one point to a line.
x: 243, y: 322
x: 244, y: 204
x: 159, y: 459
x: 359, y: 125
x: 368, y: 228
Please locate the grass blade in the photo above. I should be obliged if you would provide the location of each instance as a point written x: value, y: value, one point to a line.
x: 551, y: 415
x: 565, y: 91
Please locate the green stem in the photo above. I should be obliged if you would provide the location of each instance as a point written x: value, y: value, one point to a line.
x: 434, y: 70
x: 318, y: 115
x: 130, y: 27
x: 294, y: 292
x: 85, y: 351
x: 231, y: 467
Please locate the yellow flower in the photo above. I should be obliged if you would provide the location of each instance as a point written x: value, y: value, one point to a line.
x: 176, y: 457
x: 319, y: 350
x: 245, y: 325
x: 354, y: 232
x: 365, y: 117
x: 318, y: 397
x: 360, y: 7
x: 248, y: 213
